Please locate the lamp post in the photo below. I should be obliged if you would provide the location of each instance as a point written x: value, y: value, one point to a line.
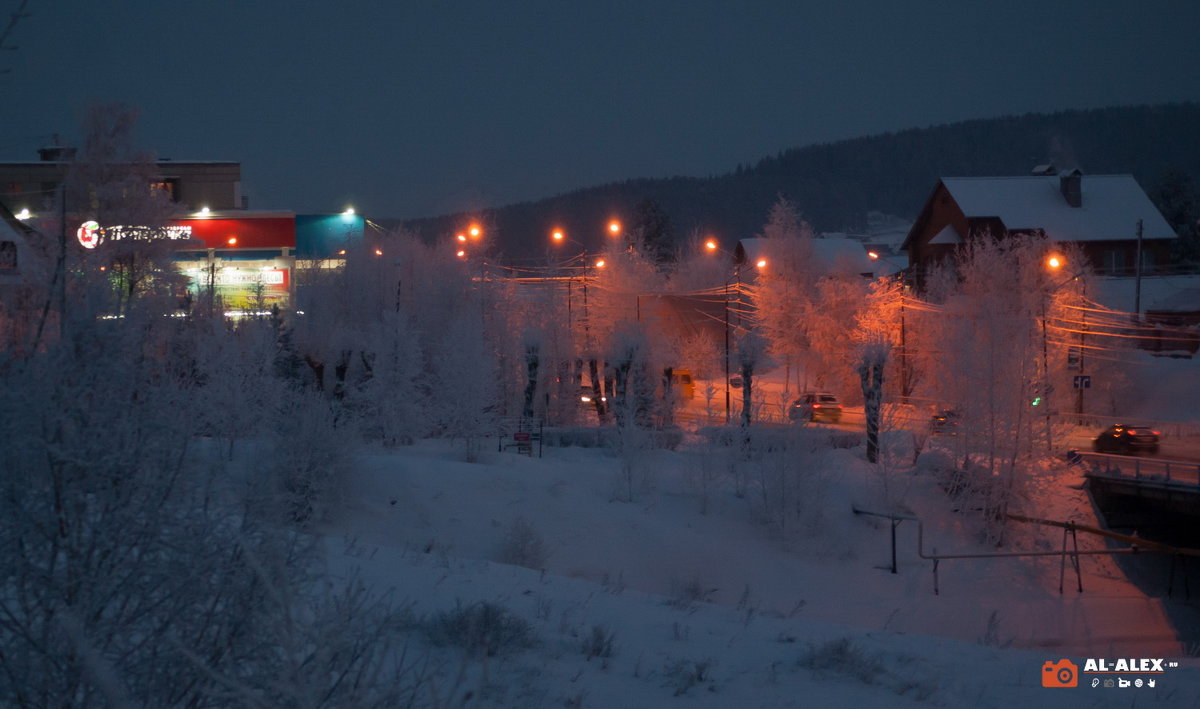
x: 1054, y: 263
x: 558, y: 236
x: 712, y: 246
x: 905, y: 376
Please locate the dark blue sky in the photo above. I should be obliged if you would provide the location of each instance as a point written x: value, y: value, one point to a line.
x: 410, y: 109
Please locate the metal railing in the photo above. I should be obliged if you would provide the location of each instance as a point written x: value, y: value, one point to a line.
x: 1147, y: 469
x: 1070, y: 531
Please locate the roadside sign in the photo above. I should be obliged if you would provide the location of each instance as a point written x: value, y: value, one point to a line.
x: 1083, y: 381
x: 1074, y: 354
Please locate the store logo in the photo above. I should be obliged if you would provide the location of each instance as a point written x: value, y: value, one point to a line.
x: 90, y: 233
x: 1063, y: 673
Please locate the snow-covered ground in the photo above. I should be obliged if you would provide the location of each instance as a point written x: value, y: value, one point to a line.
x: 684, y: 593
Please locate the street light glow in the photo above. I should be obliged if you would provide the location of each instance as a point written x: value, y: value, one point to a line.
x: 557, y: 235
x: 762, y: 263
x: 872, y: 255
x: 460, y: 253
x: 711, y: 244
x: 475, y: 231
x: 614, y: 227
x: 600, y: 263
x: 461, y: 237
x: 1054, y: 262
x: 379, y: 252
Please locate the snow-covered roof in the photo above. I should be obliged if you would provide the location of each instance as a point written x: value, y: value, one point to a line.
x: 1112, y: 206
x: 831, y: 253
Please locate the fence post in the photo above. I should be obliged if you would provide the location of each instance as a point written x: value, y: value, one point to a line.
x: 894, y: 523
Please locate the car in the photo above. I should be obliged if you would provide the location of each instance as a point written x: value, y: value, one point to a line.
x: 1126, y: 440
x: 815, y: 406
x: 585, y: 396
x: 944, y: 421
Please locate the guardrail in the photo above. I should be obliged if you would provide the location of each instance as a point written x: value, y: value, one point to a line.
x: 1070, y: 531
x: 1148, y: 469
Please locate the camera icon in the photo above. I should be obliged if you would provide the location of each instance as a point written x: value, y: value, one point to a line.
x: 1063, y: 673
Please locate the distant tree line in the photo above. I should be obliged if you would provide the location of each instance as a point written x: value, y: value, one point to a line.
x: 835, y: 185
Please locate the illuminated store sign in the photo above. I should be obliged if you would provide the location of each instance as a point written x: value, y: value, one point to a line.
x: 243, y: 277
x: 90, y: 233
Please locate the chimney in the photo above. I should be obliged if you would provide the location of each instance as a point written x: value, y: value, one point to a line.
x: 56, y: 153
x: 1071, y: 184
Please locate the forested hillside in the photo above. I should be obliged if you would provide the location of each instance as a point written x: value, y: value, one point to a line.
x: 836, y: 184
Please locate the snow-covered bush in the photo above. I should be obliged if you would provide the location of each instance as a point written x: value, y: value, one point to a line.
x: 481, y: 629
x: 302, y: 471
x: 523, y: 545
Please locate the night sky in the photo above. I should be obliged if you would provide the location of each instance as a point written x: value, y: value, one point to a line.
x: 409, y: 109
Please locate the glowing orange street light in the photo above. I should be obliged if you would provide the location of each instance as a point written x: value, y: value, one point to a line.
x: 599, y: 263
x: 557, y: 235
x: 379, y: 252
x: 461, y: 254
x: 711, y: 244
x: 762, y: 263
x: 614, y: 227
x: 461, y: 237
x: 475, y: 231
x: 872, y: 255
x: 1054, y: 262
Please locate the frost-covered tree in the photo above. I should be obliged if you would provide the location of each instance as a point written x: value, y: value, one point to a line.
x: 785, y: 294
x: 871, y: 365
x: 990, y: 361
x: 113, y: 183
x: 136, y: 571
x: 463, y: 400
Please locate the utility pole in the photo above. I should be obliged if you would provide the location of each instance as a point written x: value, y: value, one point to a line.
x: 1137, y: 266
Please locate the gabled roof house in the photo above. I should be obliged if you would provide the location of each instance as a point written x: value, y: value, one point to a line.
x: 1100, y: 214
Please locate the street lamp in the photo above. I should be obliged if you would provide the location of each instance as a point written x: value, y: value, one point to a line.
x: 712, y: 246
x: 899, y: 275
x: 558, y: 236
x: 1054, y: 264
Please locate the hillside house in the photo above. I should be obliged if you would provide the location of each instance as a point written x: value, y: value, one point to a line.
x: 1100, y: 214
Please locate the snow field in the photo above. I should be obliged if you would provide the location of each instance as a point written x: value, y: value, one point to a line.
x: 702, y: 599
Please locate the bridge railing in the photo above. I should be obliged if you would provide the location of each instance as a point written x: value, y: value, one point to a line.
x: 1169, y: 471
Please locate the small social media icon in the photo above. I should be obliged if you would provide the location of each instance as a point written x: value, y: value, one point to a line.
x: 1137, y: 682
x: 1108, y: 683
x: 1122, y: 682
x: 1063, y: 673
x: 1150, y: 682
x: 1095, y: 681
